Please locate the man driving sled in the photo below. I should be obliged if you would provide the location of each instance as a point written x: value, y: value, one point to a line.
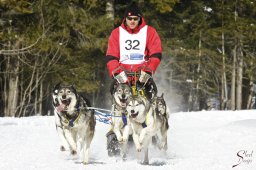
x: 132, y: 46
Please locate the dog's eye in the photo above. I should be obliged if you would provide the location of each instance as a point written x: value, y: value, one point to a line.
x: 137, y: 104
x: 119, y: 90
x: 126, y: 91
x: 68, y: 91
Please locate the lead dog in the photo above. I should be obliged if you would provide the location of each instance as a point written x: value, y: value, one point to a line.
x: 144, y: 123
x: 120, y: 125
x: 75, y: 123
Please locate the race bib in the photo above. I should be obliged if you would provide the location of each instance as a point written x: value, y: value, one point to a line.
x: 132, y: 46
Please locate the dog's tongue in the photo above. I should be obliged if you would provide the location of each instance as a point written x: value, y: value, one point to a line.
x: 60, y: 108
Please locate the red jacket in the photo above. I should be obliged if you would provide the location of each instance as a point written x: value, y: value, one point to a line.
x: 153, y: 51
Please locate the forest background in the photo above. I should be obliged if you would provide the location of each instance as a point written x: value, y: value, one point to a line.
x: 208, y: 61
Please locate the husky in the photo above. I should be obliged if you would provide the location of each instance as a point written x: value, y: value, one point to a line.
x: 120, y: 130
x: 144, y: 123
x: 162, y: 114
x: 75, y: 123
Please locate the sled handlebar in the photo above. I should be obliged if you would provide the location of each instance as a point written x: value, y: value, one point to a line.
x: 132, y: 73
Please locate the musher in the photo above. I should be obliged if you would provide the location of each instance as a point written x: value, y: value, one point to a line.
x: 134, y: 45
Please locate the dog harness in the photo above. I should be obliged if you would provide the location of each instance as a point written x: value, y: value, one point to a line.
x: 74, y: 120
x: 124, y: 119
x: 71, y: 121
x: 144, y: 124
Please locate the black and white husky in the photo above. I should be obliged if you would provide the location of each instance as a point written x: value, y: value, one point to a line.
x: 144, y: 123
x: 75, y: 123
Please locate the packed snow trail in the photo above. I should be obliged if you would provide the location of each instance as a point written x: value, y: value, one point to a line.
x: 207, y: 140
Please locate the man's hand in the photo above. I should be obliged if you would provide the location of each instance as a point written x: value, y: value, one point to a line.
x: 144, y: 76
x: 121, y: 77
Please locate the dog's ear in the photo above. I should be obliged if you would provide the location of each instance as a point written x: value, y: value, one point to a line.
x: 56, y: 88
x: 73, y: 87
x: 113, y: 86
x: 162, y: 95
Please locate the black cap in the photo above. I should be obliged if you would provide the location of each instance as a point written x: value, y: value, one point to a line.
x: 132, y: 10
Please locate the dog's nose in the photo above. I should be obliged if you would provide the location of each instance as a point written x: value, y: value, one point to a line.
x: 132, y: 111
x: 123, y: 96
x: 64, y: 96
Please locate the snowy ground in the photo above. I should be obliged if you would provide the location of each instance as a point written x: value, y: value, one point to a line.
x: 207, y: 140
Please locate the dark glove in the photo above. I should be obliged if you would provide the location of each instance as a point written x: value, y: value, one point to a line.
x: 139, y: 85
x: 149, y: 73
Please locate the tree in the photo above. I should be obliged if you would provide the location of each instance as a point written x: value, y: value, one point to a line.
x: 62, y: 42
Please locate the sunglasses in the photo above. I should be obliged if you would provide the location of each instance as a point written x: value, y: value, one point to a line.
x: 133, y: 18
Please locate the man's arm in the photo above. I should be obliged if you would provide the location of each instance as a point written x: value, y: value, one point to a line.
x: 154, y: 48
x: 113, y: 51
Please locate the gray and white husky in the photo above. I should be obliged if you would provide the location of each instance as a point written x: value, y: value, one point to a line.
x: 120, y: 125
x: 144, y: 123
x: 75, y: 123
x: 162, y: 115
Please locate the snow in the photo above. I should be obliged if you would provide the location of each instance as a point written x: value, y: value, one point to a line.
x: 206, y: 140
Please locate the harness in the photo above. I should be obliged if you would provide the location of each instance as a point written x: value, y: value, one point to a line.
x: 144, y: 124
x: 71, y: 121
x: 123, y: 115
x: 124, y: 119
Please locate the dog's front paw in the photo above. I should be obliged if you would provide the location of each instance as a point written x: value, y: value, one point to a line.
x: 162, y: 146
x: 125, y: 139
x: 120, y: 139
x: 141, y: 139
x: 85, y: 162
x: 73, y: 152
x: 145, y: 162
x: 138, y: 148
x: 165, y: 147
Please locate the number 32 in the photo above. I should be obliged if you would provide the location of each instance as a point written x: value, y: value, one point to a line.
x: 132, y: 44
